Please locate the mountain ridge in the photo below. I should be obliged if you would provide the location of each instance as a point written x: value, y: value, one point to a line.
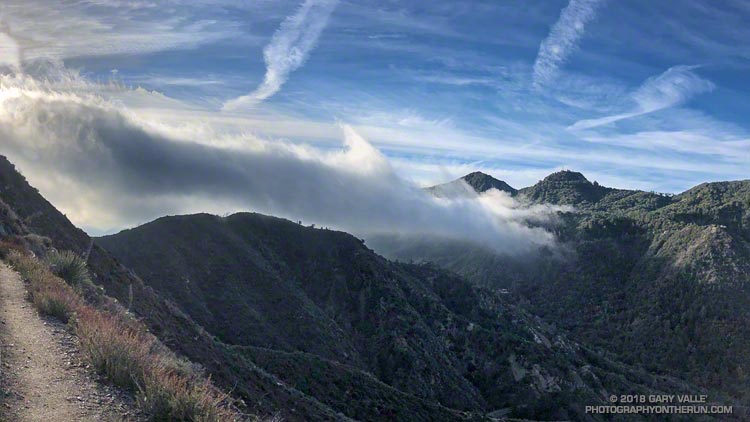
x: 480, y: 182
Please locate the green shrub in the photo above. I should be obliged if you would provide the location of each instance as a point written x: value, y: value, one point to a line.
x: 70, y: 267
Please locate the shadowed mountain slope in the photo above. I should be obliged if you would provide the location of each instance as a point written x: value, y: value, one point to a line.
x: 297, y: 298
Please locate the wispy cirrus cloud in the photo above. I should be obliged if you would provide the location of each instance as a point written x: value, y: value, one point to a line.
x: 728, y: 149
x: 673, y: 87
x: 288, y: 50
x: 563, y: 39
x: 87, y: 28
x: 163, y: 80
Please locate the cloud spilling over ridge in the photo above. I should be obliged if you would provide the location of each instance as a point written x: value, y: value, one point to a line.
x: 288, y: 49
x: 562, y: 39
x: 673, y: 87
x: 106, y: 168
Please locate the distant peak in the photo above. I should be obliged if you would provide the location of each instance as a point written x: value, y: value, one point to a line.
x: 566, y: 176
x: 476, y: 174
x: 565, y: 188
x: 482, y: 182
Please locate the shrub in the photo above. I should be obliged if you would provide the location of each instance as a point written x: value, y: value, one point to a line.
x: 9, y: 245
x: 37, y: 244
x: 70, y: 267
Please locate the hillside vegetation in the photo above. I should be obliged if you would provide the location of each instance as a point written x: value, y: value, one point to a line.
x: 293, y: 299
x: 657, y: 280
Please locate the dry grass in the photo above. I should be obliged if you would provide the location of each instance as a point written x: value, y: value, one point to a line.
x: 116, y: 351
x: 50, y: 294
x: 125, y: 353
x: 170, y: 396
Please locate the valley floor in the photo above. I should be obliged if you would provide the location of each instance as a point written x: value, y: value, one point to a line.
x: 42, y: 377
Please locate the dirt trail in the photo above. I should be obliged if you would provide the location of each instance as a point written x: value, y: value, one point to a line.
x: 43, y: 378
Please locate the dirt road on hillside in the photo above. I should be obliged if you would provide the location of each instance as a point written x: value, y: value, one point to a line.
x: 42, y: 377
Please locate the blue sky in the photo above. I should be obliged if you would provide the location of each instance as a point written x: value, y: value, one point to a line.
x: 634, y: 94
x: 468, y: 67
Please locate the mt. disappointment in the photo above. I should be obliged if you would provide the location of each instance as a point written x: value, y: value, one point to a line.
x: 564, y: 188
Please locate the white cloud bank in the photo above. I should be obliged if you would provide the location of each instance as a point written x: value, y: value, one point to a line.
x: 105, y: 167
x: 288, y: 50
x: 673, y: 87
x: 563, y: 39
